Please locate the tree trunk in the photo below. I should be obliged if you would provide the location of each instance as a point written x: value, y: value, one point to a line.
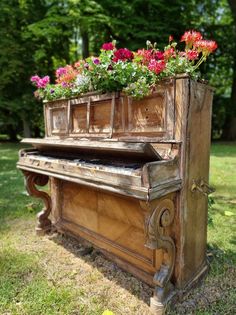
x: 26, y: 128
x: 229, y: 129
x: 85, y: 43
x: 12, y: 134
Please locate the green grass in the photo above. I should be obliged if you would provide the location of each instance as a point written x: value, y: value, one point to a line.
x: 39, y: 276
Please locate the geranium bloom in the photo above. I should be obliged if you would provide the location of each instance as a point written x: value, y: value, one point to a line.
x: 60, y: 71
x: 192, y: 55
x: 168, y: 53
x: 156, y: 66
x: 66, y: 74
x: 123, y: 54
x: 108, y: 46
x: 145, y: 54
x: 41, y: 83
x: 205, y: 46
x: 148, y: 55
x: 35, y: 78
x: 159, y: 55
x: 190, y: 37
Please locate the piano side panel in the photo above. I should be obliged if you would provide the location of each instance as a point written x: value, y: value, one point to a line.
x: 113, y: 223
x: 193, y: 206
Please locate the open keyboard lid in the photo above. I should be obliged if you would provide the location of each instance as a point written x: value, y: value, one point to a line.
x: 140, y: 150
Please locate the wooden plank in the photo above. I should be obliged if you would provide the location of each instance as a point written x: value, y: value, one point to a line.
x: 141, y: 150
x: 88, y: 115
x: 113, y: 103
x: 193, y: 117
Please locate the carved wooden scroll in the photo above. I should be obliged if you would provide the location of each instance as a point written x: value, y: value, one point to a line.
x: 158, y: 220
x: 31, y: 180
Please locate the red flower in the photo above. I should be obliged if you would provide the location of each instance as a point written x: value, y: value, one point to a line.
x: 168, y: 53
x: 108, y: 46
x: 205, y: 46
x: 192, y: 55
x: 171, y: 38
x: 191, y: 37
x: 145, y: 54
x: 156, y: 66
x: 148, y: 55
x: 123, y: 54
x: 159, y: 55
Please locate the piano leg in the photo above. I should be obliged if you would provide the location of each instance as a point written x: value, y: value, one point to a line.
x: 161, y: 215
x: 31, y: 180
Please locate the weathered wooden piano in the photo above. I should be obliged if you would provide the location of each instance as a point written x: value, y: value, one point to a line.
x: 131, y: 177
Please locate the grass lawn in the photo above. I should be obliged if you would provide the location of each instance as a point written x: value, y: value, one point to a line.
x: 54, y: 275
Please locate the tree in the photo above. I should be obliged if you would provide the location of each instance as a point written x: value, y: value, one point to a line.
x: 34, y: 37
x: 229, y: 130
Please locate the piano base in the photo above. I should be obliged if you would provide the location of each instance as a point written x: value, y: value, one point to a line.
x: 138, y: 235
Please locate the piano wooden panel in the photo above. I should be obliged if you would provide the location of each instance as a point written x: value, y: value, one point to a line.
x: 114, y: 116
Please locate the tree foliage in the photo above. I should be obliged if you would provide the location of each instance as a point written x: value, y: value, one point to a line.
x: 38, y: 36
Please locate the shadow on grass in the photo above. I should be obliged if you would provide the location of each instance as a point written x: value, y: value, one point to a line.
x: 222, y: 268
x: 217, y: 292
x: 97, y: 260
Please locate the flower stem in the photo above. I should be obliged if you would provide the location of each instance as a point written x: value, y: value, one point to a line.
x: 200, y: 61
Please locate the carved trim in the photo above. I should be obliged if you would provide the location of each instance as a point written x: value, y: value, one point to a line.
x: 158, y: 220
x: 31, y: 180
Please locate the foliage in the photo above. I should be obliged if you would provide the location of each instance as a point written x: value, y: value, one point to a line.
x: 39, y: 36
x: 134, y: 73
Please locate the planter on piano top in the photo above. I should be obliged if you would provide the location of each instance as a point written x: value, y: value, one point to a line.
x: 130, y: 177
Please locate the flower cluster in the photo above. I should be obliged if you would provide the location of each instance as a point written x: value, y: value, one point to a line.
x: 40, y: 83
x: 134, y: 73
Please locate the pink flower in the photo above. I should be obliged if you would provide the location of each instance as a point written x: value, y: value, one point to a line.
x: 192, y: 55
x: 108, y: 46
x: 60, y: 71
x: 123, y: 54
x: 41, y: 83
x: 145, y: 54
x: 171, y: 38
x: 35, y: 78
x: 156, y: 66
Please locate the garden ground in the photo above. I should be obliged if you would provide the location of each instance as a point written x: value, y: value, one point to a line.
x: 54, y: 275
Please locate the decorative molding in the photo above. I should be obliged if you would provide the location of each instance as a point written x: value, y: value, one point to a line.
x: 159, y: 218
x: 31, y: 180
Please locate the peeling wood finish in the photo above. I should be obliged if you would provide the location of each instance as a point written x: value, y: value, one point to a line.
x: 121, y: 174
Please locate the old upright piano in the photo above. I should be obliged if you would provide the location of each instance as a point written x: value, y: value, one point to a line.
x: 131, y: 177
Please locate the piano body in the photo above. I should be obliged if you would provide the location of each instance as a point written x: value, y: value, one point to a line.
x: 130, y: 177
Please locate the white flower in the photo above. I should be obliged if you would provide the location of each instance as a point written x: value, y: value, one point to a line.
x: 81, y: 80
